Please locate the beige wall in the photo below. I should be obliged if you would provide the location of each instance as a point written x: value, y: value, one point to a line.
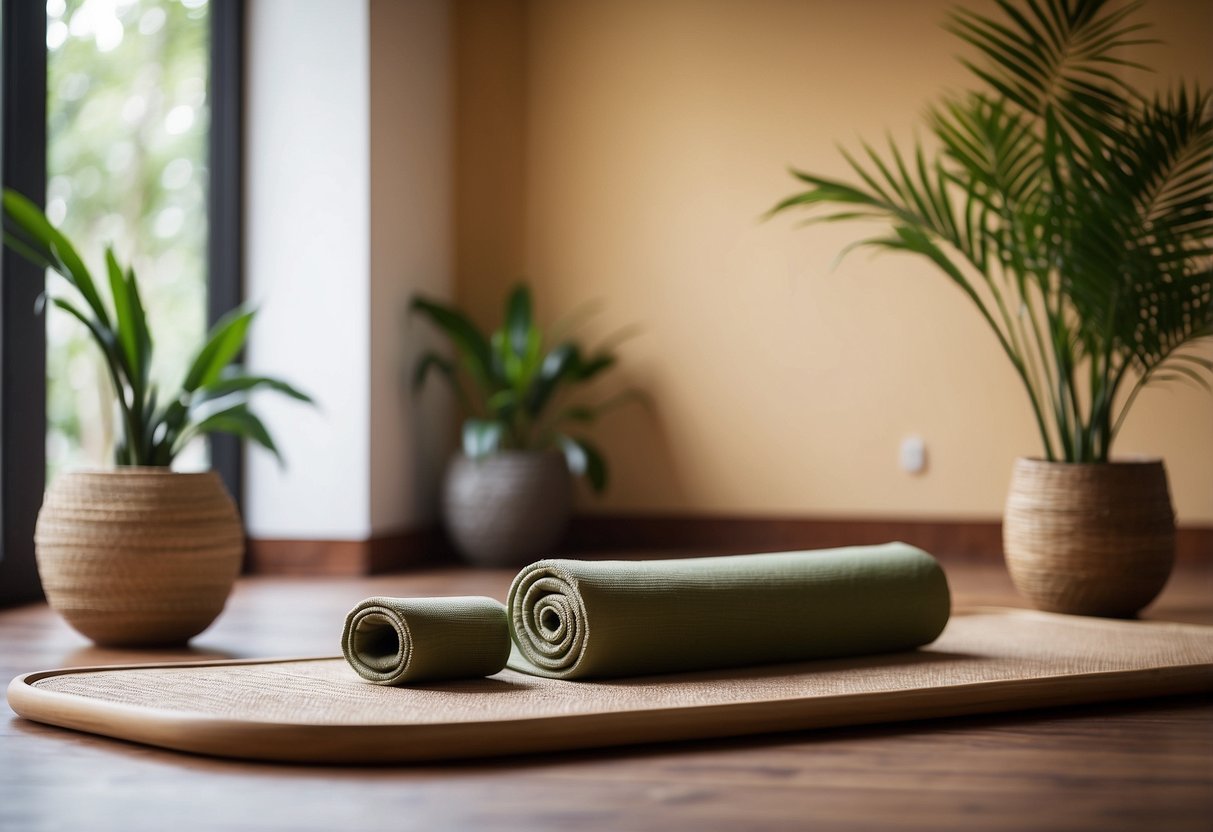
x: 411, y: 248
x: 490, y: 149
x: 655, y: 135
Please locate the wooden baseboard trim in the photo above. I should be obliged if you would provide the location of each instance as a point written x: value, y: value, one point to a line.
x: 946, y: 538
x: 952, y: 539
x: 390, y: 552
x: 670, y: 535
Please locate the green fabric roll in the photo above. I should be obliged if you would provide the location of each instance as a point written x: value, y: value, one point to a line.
x: 576, y: 619
x: 395, y: 641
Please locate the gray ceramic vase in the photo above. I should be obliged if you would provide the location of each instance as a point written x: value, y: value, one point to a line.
x: 509, y: 508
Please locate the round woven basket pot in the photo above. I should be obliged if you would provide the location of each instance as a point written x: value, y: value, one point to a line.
x: 1089, y: 539
x: 138, y: 557
x: 508, y: 508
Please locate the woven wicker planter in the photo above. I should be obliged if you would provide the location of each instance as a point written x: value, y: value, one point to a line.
x: 138, y: 556
x: 1089, y: 539
x: 508, y: 508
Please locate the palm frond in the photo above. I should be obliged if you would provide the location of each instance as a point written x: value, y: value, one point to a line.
x: 1055, y: 56
x: 1074, y: 212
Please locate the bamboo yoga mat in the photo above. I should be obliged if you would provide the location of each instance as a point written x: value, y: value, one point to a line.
x: 320, y: 711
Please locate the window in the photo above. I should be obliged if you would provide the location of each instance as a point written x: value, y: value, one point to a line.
x: 128, y: 118
x: 141, y: 104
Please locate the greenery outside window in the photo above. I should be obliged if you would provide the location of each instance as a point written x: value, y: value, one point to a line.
x: 128, y: 115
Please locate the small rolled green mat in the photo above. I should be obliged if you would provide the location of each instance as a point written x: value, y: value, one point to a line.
x: 394, y: 641
x: 573, y: 619
x: 581, y: 619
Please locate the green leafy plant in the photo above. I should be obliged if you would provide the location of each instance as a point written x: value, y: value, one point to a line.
x: 1075, y: 212
x: 508, y: 384
x: 214, y: 396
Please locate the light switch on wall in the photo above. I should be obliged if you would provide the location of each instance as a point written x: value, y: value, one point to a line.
x: 913, y: 455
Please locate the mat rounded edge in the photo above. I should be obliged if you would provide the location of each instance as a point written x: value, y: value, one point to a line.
x: 380, y: 744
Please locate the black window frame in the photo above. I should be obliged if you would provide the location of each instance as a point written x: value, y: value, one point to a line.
x: 225, y: 201
x: 23, y: 333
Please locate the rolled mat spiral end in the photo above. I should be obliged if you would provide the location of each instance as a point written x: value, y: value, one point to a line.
x: 398, y: 641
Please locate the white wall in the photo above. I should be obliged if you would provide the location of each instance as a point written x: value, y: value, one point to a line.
x: 332, y: 252
x: 307, y: 258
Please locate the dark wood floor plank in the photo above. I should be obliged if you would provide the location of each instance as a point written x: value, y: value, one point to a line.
x: 1125, y: 766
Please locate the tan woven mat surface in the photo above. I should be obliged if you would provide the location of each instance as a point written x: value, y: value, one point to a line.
x: 318, y: 710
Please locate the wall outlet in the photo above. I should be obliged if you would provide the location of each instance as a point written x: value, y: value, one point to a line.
x: 913, y: 455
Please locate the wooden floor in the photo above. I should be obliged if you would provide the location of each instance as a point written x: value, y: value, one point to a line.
x: 1141, y: 765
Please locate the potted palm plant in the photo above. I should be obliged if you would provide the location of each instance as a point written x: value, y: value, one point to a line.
x: 1076, y: 213
x: 139, y: 554
x: 506, y: 496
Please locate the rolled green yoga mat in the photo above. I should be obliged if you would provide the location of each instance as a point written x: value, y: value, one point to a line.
x: 580, y: 619
x: 573, y: 619
x: 395, y: 641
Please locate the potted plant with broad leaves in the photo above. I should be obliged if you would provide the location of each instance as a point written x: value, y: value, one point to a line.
x: 1076, y: 213
x: 507, y: 496
x: 140, y: 555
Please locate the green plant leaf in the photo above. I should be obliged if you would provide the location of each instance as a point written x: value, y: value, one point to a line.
x: 127, y: 329
x: 104, y: 338
x: 502, y: 405
x: 131, y: 444
x: 236, y: 420
x: 532, y: 358
x: 519, y: 325
x: 500, y: 356
x: 558, y: 365
x: 149, y: 425
x: 143, y: 335
x: 584, y: 460
x: 32, y: 253
x: 482, y: 437
x: 595, y: 366
x: 169, y: 425
x: 233, y: 380
x: 223, y: 344
x: 471, y: 345
x: 433, y: 361
x: 60, y: 252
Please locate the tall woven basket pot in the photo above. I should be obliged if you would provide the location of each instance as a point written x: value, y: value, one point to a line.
x: 138, y: 557
x: 1089, y: 539
x: 507, y: 508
